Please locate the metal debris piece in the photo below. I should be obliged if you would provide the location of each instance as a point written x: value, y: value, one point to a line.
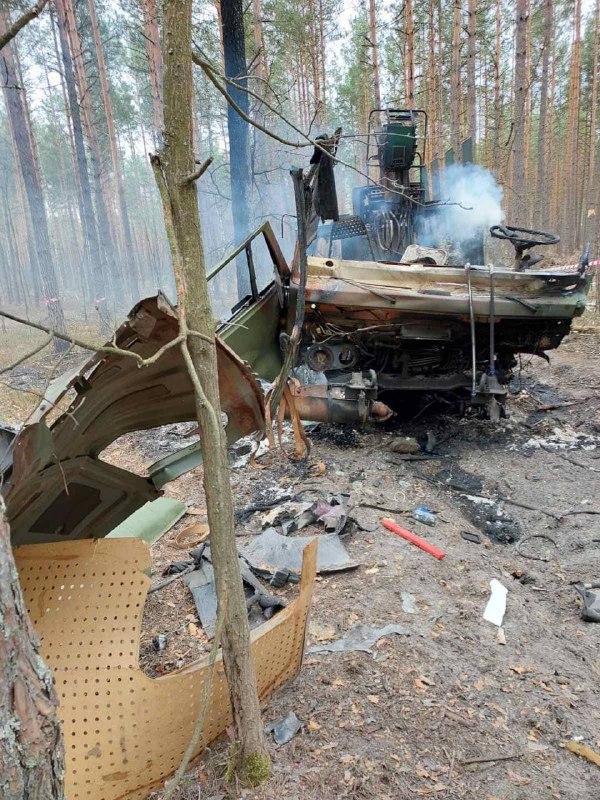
x: 285, y: 728
x: 60, y: 488
x: 591, y: 601
x: 271, y: 552
x: 201, y: 583
x: 151, y: 521
x: 360, y: 637
x: 469, y: 536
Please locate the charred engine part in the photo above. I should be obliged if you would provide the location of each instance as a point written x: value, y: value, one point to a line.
x: 323, y: 357
x: 351, y: 401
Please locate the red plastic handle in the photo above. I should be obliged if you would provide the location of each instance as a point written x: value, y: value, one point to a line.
x: 412, y: 538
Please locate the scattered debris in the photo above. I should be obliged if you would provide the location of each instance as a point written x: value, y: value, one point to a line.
x: 191, y: 536
x: 360, y: 637
x: 591, y: 601
x: 271, y: 552
x: 151, y: 521
x: 408, y: 603
x: 424, y: 515
x: 413, y: 538
x: 496, y: 605
x: 532, y: 556
x: 159, y: 642
x: 468, y: 536
x: 584, y: 751
x: 501, y: 636
x: 285, y: 728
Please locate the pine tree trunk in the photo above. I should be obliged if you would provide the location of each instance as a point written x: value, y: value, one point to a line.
x: 31, y: 746
x: 130, y: 261
x: 572, y: 138
x: 409, y: 62
x: 234, y: 46
x: 155, y: 66
x: 433, y: 145
x: 100, y: 184
x: 471, y: 72
x: 497, y: 153
x: 591, y: 214
x: 518, y: 186
x: 375, y: 53
x: 455, y: 83
x: 174, y: 164
x: 30, y: 173
x: 542, y: 153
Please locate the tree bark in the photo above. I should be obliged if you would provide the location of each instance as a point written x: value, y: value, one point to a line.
x: 471, y: 85
x: 496, y: 158
x: 570, y: 172
x: 31, y: 181
x: 234, y: 47
x: 455, y: 83
x: 12, y: 30
x: 409, y: 61
x: 375, y: 53
x: 173, y: 166
x: 31, y: 746
x: 591, y: 221
x: 155, y: 66
x: 518, y: 188
x: 542, y: 152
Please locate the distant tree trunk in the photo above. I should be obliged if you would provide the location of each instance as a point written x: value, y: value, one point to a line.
x: 322, y: 58
x: 155, y: 66
x: 100, y: 184
x: 115, y: 157
x: 31, y: 747
x: 572, y: 138
x: 374, y: 53
x: 262, y: 64
x: 409, y: 61
x: 173, y: 167
x: 518, y: 186
x: 31, y: 181
x: 433, y: 145
x: 496, y: 157
x: 313, y: 49
x: 455, y: 83
x: 471, y: 71
x: 234, y: 46
x: 96, y: 269
x: 542, y: 151
x: 591, y: 214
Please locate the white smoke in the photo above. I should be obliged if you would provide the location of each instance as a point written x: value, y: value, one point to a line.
x: 474, y: 204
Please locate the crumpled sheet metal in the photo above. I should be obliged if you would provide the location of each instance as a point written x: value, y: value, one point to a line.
x: 125, y: 732
x: 114, y: 396
x: 272, y: 551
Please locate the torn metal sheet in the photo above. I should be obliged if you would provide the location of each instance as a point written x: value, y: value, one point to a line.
x: 360, y: 637
x: 201, y: 583
x: 284, y: 729
x: 142, y: 725
x: 270, y: 551
x: 60, y: 488
x: 151, y: 521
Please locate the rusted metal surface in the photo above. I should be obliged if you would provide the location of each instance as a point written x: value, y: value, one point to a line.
x: 58, y: 463
x: 341, y: 404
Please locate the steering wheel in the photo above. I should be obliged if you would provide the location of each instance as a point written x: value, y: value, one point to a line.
x: 523, y: 242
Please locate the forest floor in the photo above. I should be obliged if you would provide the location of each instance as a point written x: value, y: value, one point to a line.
x: 449, y: 709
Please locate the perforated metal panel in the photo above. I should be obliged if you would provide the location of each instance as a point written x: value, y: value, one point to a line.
x: 125, y: 732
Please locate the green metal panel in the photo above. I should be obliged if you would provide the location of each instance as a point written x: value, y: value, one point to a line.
x: 399, y: 146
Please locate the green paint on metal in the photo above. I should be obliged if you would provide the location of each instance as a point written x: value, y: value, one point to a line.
x: 151, y: 521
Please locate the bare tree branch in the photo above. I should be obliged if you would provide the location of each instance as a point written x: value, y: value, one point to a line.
x: 33, y: 12
x: 118, y: 351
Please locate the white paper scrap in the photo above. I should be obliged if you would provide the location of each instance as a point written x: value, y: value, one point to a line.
x: 496, y: 605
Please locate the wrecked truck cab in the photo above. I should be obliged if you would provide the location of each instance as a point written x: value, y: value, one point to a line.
x: 59, y: 488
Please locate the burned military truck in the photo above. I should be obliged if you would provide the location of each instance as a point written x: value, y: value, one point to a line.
x: 381, y: 315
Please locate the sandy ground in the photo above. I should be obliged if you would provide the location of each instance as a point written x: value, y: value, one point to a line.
x: 446, y: 710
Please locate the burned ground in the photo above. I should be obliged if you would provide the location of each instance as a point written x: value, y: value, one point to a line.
x: 407, y: 721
